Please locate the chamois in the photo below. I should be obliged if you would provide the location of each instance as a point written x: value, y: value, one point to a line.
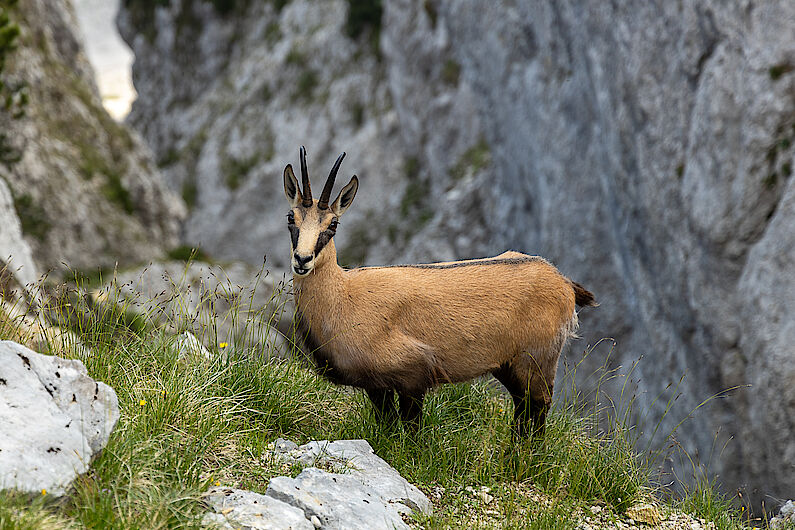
x: 408, y: 328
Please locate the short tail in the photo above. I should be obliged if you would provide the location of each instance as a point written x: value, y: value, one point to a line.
x: 582, y: 296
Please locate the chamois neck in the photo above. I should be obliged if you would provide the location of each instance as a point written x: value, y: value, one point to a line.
x: 326, y: 276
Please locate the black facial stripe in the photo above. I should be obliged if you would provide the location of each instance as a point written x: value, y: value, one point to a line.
x: 293, y: 235
x: 323, y: 239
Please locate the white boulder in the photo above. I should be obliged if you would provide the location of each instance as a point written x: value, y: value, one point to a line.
x: 54, y: 419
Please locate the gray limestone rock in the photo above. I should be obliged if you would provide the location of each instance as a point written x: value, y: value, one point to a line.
x: 785, y: 517
x: 189, y: 347
x: 234, y: 508
x: 55, y: 419
x: 15, y: 252
x: 339, y: 501
x: 356, y: 457
x: 284, y: 446
x: 363, y: 491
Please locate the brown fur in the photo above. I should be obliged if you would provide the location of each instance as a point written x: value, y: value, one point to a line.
x: 408, y: 328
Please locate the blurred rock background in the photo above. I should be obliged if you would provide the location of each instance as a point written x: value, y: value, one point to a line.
x: 645, y: 149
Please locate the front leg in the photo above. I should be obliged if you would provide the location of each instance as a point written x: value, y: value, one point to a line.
x: 411, y: 409
x: 384, y: 403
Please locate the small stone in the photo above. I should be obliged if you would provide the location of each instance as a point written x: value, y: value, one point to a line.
x: 315, y: 521
x: 234, y: 508
x: 485, y: 497
x: 644, y: 513
x: 188, y: 346
x: 284, y: 446
x: 596, y: 509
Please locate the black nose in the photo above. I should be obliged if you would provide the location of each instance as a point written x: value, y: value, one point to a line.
x: 302, y: 260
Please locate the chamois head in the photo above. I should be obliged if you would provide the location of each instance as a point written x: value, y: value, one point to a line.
x: 312, y: 223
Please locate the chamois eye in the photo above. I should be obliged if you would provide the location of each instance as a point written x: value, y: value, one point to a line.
x: 290, y: 218
x: 333, y: 225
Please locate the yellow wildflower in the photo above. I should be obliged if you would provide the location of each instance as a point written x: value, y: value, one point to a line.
x: 223, y: 345
x: 43, y: 491
x: 142, y: 402
x: 217, y: 482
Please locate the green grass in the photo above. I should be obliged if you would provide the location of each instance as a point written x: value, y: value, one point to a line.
x: 190, y: 192
x: 474, y: 159
x: 363, y: 15
x: 451, y: 71
x: 13, y: 95
x: 305, y: 86
x: 235, y: 171
x: 187, y: 253
x: 32, y: 217
x: 187, y: 424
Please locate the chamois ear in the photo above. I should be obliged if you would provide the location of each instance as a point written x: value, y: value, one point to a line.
x: 291, y: 190
x: 345, y: 198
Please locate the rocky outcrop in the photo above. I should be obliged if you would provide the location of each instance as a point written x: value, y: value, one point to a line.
x: 236, y: 92
x: 84, y: 187
x: 55, y: 420
x: 645, y: 149
x: 336, y: 500
x: 15, y: 255
x: 360, y: 491
x: 357, y: 459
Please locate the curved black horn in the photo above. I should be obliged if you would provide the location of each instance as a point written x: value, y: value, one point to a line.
x: 307, y: 196
x: 326, y: 195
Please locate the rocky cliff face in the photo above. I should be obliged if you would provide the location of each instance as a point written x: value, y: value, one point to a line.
x: 84, y: 187
x: 227, y: 96
x: 645, y: 149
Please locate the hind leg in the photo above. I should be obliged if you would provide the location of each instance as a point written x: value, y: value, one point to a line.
x: 384, y: 404
x: 411, y: 409
x: 543, y: 368
x: 514, y: 376
x: 531, y: 390
x: 539, y: 402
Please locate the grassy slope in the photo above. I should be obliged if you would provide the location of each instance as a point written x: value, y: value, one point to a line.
x: 187, y: 424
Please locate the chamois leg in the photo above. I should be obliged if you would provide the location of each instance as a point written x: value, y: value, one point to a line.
x: 540, y: 389
x: 384, y: 403
x: 515, y: 376
x: 411, y: 409
x: 538, y: 405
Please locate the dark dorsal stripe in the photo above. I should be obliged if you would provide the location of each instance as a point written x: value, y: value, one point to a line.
x: 467, y: 263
